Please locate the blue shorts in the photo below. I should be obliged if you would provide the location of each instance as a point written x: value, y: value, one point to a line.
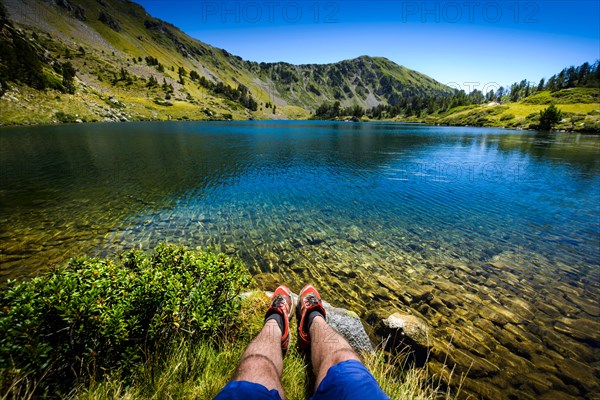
x: 348, y: 380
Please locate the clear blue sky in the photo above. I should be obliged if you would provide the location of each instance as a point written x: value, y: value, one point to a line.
x: 469, y: 44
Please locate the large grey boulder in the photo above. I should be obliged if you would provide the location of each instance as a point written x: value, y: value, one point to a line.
x: 348, y: 324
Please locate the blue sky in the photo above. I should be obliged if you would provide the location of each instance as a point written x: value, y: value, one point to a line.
x: 467, y: 44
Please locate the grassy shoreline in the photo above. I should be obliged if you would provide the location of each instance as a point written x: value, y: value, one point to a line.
x: 187, y: 346
x: 584, y: 118
x: 200, y: 370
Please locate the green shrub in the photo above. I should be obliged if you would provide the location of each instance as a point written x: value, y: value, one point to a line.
x: 94, y: 315
x: 65, y: 118
x: 507, y: 117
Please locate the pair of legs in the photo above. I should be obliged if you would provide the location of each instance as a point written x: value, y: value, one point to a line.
x: 338, y: 370
x: 262, y: 361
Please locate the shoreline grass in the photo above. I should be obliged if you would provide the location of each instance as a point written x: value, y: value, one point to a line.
x: 200, y: 370
x: 198, y: 367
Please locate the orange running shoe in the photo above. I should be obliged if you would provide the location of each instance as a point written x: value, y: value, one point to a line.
x: 309, y: 300
x: 282, y: 304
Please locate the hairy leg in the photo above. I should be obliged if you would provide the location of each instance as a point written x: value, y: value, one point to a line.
x: 262, y: 361
x: 328, y: 348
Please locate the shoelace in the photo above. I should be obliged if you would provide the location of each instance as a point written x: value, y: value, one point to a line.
x: 310, y: 300
x: 278, y: 302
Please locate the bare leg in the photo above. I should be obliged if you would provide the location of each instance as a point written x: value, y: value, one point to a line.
x: 328, y: 348
x: 262, y: 361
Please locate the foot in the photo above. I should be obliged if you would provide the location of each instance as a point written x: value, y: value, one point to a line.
x: 280, y: 311
x: 309, y: 306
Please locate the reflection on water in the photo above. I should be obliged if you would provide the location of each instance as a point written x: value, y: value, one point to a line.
x: 491, y: 236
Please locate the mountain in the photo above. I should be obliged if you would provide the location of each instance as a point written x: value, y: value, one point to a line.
x: 130, y: 65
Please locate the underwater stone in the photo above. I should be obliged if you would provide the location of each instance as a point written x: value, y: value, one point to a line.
x: 489, y: 314
x: 483, y: 389
x: 590, y: 307
x: 581, y: 329
x: 420, y: 293
x: 410, y: 326
x: 578, y: 374
x: 478, y: 367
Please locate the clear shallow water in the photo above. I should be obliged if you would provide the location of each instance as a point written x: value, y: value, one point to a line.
x: 500, y: 228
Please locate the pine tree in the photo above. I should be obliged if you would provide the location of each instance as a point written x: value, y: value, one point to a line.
x: 541, y: 85
x: 549, y: 117
x: 68, y: 75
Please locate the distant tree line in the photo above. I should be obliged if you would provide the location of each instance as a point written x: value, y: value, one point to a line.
x: 241, y: 94
x: 410, y: 105
x: 586, y: 75
x: 334, y: 110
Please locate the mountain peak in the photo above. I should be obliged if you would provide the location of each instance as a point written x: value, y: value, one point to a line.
x: 122, y: 52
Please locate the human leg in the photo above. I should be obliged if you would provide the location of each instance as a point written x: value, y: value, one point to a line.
x: 262, y: 361
x: 259, y: 374
x: 338, y: 370
x: 328, y: 348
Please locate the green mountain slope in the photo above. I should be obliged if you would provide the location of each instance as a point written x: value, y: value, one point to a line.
x: 130, y: 65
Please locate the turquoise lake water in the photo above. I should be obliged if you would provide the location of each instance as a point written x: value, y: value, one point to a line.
x: 492, y: 219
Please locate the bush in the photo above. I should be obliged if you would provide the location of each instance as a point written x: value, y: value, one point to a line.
x: 94, y: 315
x: 65, y: 118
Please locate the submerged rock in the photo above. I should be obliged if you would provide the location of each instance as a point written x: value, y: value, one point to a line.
x: 400, y: 332
x: 409, y: 326
x: 581, y: 329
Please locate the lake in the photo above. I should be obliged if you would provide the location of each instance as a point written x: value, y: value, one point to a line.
x: 491, y: 236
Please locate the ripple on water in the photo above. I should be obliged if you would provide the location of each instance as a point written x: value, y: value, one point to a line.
x: 497, y: 249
